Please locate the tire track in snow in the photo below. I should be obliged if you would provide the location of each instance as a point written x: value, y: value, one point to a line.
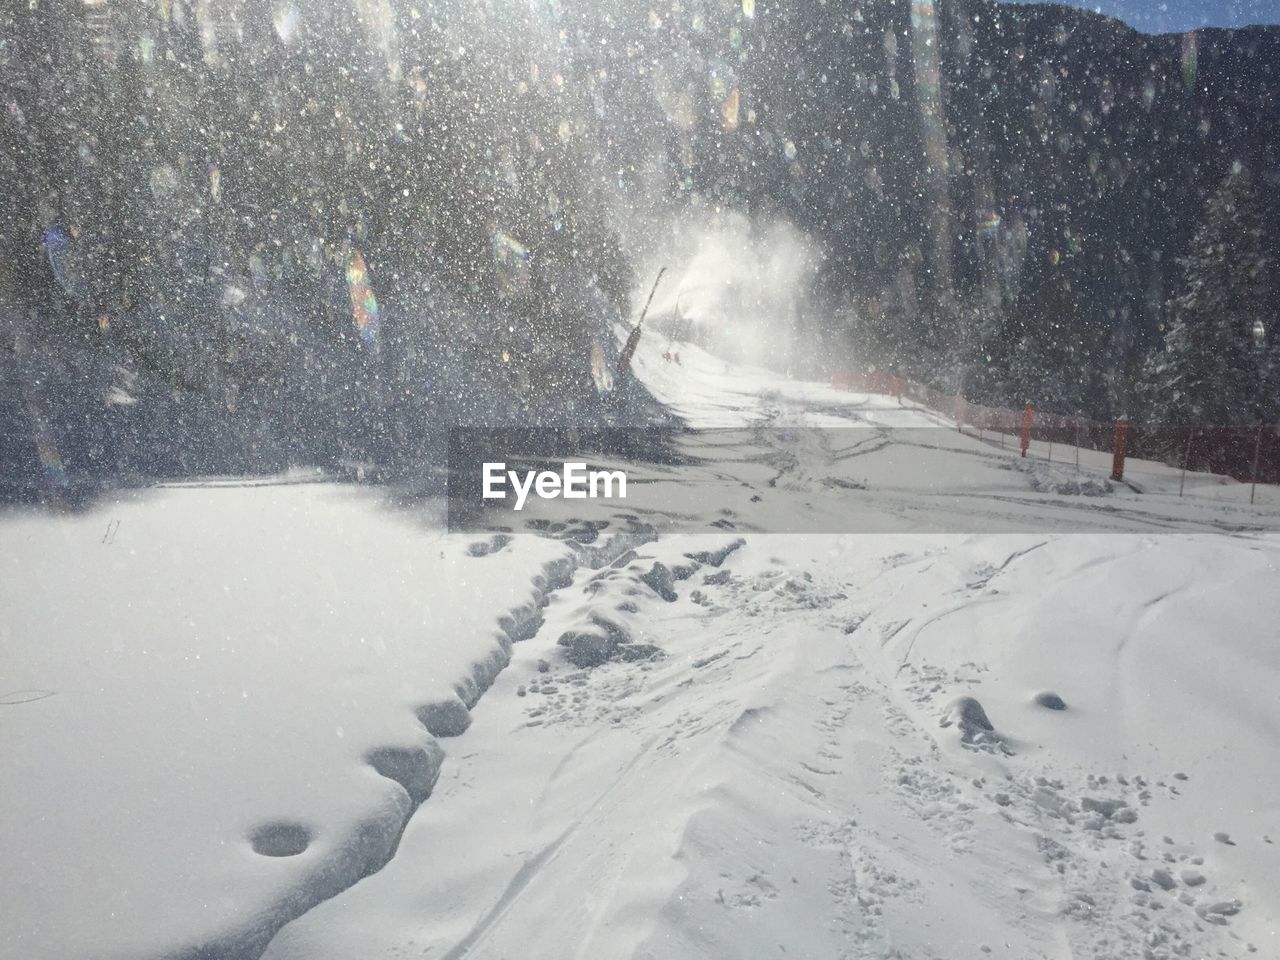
x: 967, y: 603
x: 530, y: 870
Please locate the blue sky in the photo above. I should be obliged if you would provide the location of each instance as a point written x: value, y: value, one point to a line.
x: 1168, y: 16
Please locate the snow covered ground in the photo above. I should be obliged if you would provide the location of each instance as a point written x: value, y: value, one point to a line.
x: 1054, y: 740
x: 199, y: 675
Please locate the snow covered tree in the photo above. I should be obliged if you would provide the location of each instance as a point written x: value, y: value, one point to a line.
x: 1211, y: 370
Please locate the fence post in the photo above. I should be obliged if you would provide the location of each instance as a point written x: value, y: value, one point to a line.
x: 1118, y: 448
x: 1028, y: 413
x: 1186, y: 458
x: 960, y: 412
x: 1257, y: 446
x: 1077, y: 444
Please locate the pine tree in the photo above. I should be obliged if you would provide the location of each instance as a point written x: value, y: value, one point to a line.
x: 1211, y: 369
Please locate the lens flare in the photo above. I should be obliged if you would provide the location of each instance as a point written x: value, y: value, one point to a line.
x: 1190, y: 59
x: 721, y: 79
x: 55, y: 473
x: 926, y: 64
x: 51, y: 463
x: 364, y: 305
x: 729, y: 111
x: 60, y: 251
x: 601, y: 375
x: 285, y: 21
x: 511, y: 265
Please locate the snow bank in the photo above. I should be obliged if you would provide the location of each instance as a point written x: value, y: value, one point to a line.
x: 217, y: 703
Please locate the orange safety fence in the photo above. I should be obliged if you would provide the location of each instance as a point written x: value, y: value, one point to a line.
x: 1248, y: 453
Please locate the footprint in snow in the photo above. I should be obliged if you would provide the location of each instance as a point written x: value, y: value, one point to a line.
x: 485, y: 548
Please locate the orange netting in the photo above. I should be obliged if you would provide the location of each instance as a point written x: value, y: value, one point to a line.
x: 1244, y: 452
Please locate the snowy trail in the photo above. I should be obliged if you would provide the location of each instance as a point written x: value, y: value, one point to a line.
x: 795, y: 770
x: 794, y: 457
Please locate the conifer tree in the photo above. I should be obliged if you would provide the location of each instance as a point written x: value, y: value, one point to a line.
x: 1211, y: 370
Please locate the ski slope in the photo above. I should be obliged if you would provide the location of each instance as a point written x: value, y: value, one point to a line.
x: 640, y: 741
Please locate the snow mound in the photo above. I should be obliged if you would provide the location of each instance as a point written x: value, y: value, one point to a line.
x: 967, y: 714
x: 1049, y: 700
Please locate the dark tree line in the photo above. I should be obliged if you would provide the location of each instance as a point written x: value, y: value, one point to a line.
x: 190, y: 188
x: 1003, y: 199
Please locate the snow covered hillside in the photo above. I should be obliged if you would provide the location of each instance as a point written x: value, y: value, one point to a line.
x: 1029, y: 714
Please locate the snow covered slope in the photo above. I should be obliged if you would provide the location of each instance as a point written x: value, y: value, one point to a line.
x: 915, y: 744
x: 904, y: 745
x: 780, y: 779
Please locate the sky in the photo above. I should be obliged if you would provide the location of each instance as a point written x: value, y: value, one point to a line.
x: 1170, y: 16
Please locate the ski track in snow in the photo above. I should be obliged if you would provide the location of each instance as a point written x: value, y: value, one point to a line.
x: 887, y: 809
x: 831, y: 746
